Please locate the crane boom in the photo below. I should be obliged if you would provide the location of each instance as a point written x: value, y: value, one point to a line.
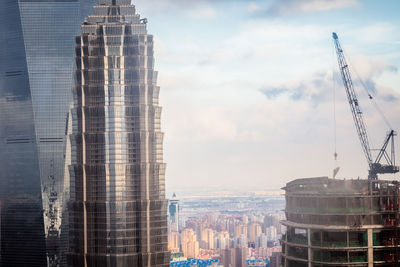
x: 375, y: 166
x: 353, y: 100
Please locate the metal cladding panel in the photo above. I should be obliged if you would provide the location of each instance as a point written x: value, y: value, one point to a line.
x: 118, y: 210
x: 22, y: 230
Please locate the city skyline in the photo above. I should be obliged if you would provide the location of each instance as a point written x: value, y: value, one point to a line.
x: 264, y: 114
x: 212, y: 229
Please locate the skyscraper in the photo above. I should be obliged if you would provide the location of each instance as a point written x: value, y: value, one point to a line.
x: 173, y: 210
x: 118, y: 210
x: 254, y: 231
x: 36, y: 77
x: 173, y: 241
x: 207, y: 238
x: 190, y: 245
x: 234, y: 257
x: 222, y: 240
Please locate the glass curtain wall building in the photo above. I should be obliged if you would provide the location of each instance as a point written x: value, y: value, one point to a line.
x: 118, y: 210
x: 174, y: 213
x: 36, y: 78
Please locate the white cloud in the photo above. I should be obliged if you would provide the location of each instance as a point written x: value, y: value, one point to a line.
x: 285, y: 7
x: 369, y: 66
x: 199, y: 9
x: 253, y: 7
x: 382, y: 32
x: 204, y: 12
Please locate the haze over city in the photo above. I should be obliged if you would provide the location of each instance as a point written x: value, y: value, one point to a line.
x: 248, y: 89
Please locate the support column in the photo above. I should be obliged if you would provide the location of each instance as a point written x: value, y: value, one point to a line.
x: 286, y: 246
x: 310, y: 256
x: 370, y: 248
x: 348, y: 245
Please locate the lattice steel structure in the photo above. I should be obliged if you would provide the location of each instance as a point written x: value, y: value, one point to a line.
x: 118, y: 210
x: 36, y: 77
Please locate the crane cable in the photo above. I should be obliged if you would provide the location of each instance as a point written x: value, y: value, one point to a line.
x: 370, y: 96
x: 369, y: 93
x: 334, y: 108
x: 336, y: 167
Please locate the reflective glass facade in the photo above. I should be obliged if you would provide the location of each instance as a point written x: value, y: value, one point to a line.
x: 174, y: 214
x: 118, y: 210
x: 36, y: 78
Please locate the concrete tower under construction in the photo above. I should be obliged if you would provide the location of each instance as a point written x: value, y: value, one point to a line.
x: 341, y: 223
x: 118, y: 210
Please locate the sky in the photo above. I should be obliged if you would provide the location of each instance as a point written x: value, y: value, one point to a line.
x: 248, y: 88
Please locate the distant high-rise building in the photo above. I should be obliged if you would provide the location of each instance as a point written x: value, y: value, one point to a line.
x: 275, y: 259
x: 36, y: 76
x: 240, y: 229
x: 222, y: 240
x: 254, y: 230
x: 234, y: 257
x: 118, y: 210
x: 195, y: 225
x: 173, y: 241
x: 271, y: 233
x: 333, y: 222
x: 239, y: 256
x: 190, y: 245
x: 272, y: 220
x: 245, y: 219
x: 226, y: 257
x: 173, y: 212
x: 262, y: 241
x: 241, y: 241
x: 207, y: 238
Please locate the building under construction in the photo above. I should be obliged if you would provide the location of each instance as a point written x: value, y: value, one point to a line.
x: 334, y: 222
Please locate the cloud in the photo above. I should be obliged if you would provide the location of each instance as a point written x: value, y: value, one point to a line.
x: 273, y: 93
x: 391, y: 98
x: 364, y: 70
x: 287, y: 7
x: 380, y: 32
x: 199, y: 9
x: 368, y: 66
x: 253, y: 7
x: 318, y: 87
x: 313, y: 90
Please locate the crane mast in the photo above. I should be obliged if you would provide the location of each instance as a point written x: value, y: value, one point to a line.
x: 375, y: 167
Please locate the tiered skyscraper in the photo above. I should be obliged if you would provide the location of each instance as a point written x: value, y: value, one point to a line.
x: 36, y: 77
x: 118, y: 210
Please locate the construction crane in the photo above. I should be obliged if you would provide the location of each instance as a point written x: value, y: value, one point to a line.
x: 375, y: 166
